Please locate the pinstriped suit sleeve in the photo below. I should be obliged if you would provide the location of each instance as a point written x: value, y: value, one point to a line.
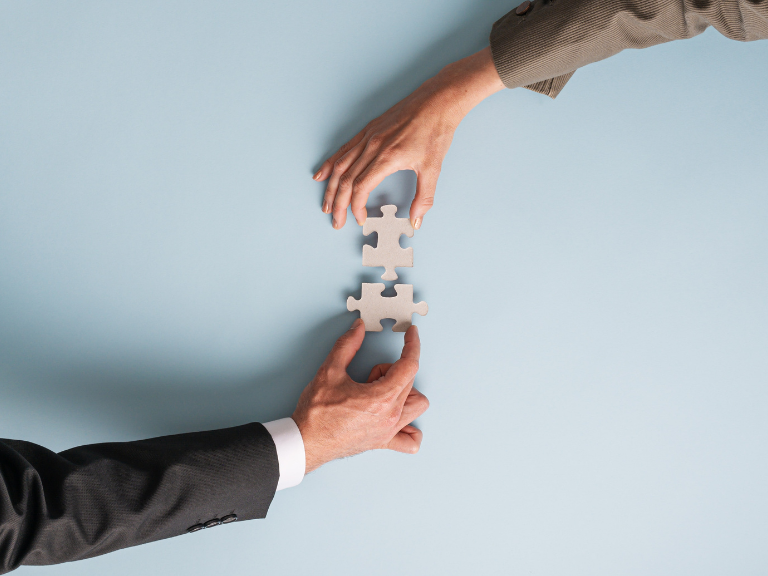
x: 94, y: 499
x: 542, y: 49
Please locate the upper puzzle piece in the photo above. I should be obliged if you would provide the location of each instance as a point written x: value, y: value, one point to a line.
x: 373, y: 307
x: 388, y: 252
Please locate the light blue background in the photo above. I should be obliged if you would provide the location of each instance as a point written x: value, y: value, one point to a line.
x: 596, y: 269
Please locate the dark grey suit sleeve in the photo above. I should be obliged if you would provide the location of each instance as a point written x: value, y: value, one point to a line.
x: 541, y: 49
x: 95, y: 499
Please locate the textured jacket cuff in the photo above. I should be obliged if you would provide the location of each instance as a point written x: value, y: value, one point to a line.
x: 514, y: 41
x: 551, y: 87
x: 542, y: 43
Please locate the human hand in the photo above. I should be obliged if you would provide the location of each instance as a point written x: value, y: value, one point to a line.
x: 339, y: 417
x: 414, y: 134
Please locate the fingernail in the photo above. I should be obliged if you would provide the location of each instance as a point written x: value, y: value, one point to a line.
x: 335, y: 224
x: 357, y: 323
x: 317, y: 176
x: 326, y: 207
x: 417, y: 223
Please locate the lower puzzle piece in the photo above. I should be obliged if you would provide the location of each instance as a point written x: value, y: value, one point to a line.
x: 373, y: 307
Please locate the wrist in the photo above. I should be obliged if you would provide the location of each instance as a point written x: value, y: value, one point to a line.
x: 463, y: 84
x: 317, y: 451
x: 314, y: 458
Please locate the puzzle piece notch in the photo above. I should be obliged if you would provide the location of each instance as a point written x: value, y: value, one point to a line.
x: 388, y: 252
x: 373, y: 307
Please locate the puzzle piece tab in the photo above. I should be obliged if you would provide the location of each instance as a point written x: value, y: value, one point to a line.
x: 373, y: 307
x: 388, y: 252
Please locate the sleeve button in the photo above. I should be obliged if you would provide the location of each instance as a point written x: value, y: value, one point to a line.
x: 195, y: 528
x: 229, y: 518
x: 212, y: 523
x: 524, y: 8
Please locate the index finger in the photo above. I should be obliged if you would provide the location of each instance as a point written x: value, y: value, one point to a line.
x: 347, y: 346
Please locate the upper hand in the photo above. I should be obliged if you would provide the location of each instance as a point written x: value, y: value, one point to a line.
x: 414, y: 134
x: 339, y: 417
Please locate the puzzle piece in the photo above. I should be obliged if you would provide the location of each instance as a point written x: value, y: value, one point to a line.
x: 373, y: 307
x: 388, y: 252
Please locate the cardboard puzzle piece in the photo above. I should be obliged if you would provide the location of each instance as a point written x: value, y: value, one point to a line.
x: 388, y: 252
x: 373, y: 307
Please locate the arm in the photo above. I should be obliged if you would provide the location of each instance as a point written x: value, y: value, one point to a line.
x: 556, y: 37
x: 95, y: 499
x: 538, y: 47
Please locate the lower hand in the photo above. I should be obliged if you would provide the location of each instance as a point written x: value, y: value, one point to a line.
x: 339, y: 417
x: 414, y: 134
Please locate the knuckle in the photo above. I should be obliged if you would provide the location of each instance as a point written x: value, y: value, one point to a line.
x: 379, y: 406
x: 376, y: 139
x: 323, y: 374
x: 386, y: 156
x: 342, y: 342
x: 345, y: 181
x: 359, y: 182
x: 411, y: 365
x: 390, y: 398
x: 333, y: 373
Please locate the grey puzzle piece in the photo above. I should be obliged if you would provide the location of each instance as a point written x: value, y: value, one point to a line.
x: 373, y: 307
x: 388, y: 252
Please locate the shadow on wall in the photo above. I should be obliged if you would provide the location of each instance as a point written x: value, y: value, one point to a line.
x: 469, y: 35
x: 146, y: 400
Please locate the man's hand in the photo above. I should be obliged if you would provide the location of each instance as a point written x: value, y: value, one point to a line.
x: 339, y: 417
x: 414, y: 134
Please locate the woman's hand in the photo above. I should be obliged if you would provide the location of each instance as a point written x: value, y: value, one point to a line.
x: 414, y: 134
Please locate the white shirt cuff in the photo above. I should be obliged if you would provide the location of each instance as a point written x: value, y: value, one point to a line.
x: 290, y: 451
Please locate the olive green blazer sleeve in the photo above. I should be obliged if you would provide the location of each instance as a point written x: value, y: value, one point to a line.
x: 540, y: 46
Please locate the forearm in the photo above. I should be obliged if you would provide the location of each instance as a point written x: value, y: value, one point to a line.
x: 555, y: 37
x: 94, y: 499
x: 462, y: 85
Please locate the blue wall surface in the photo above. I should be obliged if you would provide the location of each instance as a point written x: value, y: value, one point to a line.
x: 596, y: 269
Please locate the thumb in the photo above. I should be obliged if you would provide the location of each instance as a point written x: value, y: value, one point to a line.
x: 411, y: 344
x: 347, y: 345
x: 401, y: 374
x: 426, y: 184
